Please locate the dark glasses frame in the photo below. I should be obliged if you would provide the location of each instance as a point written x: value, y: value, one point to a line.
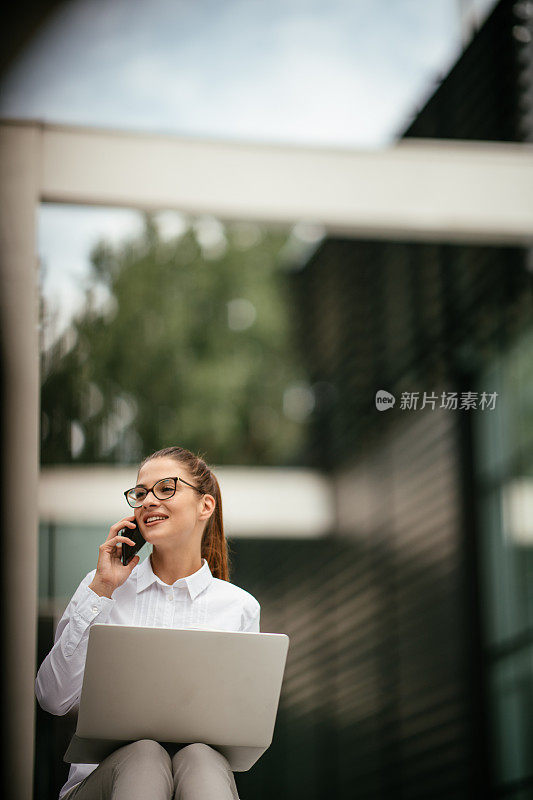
x: 174, y: 478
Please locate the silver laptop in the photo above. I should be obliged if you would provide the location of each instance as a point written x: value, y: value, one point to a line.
x: 181, y: 686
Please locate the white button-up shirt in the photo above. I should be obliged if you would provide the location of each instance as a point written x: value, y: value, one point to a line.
x: 200, y: 600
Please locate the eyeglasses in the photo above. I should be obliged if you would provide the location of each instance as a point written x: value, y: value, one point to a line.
x: 162, y: 490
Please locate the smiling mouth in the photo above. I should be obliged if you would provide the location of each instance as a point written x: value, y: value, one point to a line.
x: 154, y: 520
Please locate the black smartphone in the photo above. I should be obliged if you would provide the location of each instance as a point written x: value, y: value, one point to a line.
x: 128, y: 550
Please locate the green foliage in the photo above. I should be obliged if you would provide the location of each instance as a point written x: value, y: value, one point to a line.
x: 192, y: 346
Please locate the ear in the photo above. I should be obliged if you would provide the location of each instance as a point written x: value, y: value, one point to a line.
x: 207, y: 506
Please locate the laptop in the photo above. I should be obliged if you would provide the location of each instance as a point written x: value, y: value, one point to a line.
x: 179, y: 686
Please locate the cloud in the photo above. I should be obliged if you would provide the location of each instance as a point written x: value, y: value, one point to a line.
x: 343, y: 72
x: 66, y: 235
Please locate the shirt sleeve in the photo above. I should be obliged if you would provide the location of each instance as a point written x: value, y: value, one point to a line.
x: 251, y: 616
x: 60, y: 676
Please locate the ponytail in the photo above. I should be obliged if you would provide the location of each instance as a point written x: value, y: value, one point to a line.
x: 214, y: 542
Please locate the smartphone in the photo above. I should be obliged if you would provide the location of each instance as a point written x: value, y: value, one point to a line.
x: 128, y: 550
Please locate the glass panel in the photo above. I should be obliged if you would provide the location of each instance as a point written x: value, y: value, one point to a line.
x: 75, y: 553
x: 505, y: 464
x: 519, y: 394
x: 491, y: 426
x: 506, y: 434
x: 495, y: 571
x: 507, y: 559
x: 512, y: 708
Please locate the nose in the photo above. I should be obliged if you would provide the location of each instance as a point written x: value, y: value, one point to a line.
x: 149, y: 501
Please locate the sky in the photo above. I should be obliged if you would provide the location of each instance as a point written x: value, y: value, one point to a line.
x: 332, y: 73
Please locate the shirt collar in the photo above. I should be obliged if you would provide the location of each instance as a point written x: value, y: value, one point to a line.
x: 195, y: 583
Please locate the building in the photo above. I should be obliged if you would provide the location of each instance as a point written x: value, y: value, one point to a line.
x: 432, y: 694
x: 411, y: 623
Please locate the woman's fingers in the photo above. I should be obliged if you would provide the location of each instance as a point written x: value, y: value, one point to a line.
x: 133, y: 563
x: 109, y: 543
x: 118, y: 538
x: 109, y: 568
x: 127, y: 522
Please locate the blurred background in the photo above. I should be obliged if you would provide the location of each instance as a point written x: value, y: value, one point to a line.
x: 399, y: 552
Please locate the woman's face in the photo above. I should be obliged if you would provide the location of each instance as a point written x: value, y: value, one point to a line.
x: 176, y: 518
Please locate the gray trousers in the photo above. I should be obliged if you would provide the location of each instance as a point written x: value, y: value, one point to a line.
x: 144, y: 770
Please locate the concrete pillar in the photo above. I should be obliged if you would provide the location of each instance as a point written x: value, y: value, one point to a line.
x: 19, y: 176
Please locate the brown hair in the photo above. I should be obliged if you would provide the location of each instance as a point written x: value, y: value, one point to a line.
x: 214, y: 543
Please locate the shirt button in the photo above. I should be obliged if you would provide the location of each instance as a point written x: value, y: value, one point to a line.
x: 94, y: 609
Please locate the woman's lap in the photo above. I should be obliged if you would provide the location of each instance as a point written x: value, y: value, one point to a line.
x: 148, y: 769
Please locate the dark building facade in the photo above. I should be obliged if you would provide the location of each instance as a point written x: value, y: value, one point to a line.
x: 434, y: 495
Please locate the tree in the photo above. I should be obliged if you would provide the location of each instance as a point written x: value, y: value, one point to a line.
x: 193, y: 346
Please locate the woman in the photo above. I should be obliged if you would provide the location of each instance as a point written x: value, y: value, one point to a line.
x: 178, y: 508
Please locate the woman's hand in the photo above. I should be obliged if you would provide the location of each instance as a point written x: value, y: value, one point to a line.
x: 110, y: 571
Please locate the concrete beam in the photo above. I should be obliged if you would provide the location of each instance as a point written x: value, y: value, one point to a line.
x: 418, y: 189
x: 257, y: 502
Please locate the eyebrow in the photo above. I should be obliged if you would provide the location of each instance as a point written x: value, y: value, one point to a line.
x: 144, y: 485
